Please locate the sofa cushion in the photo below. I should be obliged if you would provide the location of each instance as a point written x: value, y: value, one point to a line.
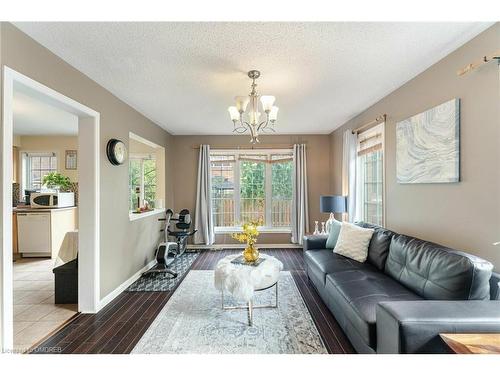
x: 378, y: 250
x: 333, y: 234
x: 353, y: 242
x: 359, y: 292
x: 323, y: 262
x: 436, y: 272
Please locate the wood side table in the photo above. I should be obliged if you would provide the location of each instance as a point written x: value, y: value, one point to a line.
x: 472, y: 343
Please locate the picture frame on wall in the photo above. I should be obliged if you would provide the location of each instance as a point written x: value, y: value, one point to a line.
x: 428, y: 146
x: 71, y: 159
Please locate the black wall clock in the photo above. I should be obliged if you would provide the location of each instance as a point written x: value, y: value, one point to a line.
x: 116, y: 151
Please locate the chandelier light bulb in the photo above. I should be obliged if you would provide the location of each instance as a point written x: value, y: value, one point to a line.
x: 267, y: 102
x: 242, y: 103
x: 233, y: 112
x: 273, y: 114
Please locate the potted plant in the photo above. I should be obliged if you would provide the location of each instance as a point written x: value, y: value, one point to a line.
x: 56, y: 181
x: 249, y: 235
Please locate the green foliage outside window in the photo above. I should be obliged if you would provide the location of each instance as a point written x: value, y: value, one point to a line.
x: 135, y: 170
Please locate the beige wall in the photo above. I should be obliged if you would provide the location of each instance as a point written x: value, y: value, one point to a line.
x: 57, y: 144
x: 186, y: 167
x: 464, y: 215
x: 125, y: 246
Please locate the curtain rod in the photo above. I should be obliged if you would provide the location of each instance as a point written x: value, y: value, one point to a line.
x: 378, y: 119
x: 476, y: 64
x: 249, y: 147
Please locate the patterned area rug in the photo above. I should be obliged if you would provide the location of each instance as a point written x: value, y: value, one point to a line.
x: 164, y: 282
x: 193, y: 321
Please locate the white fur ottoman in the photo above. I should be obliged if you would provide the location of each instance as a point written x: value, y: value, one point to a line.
x: 242, y: 281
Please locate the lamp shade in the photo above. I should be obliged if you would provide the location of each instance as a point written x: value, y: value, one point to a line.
x: 333, y: 203
x: 267, y: 102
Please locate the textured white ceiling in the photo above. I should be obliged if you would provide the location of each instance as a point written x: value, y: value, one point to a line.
x: 36, y: 114
x: 183, y: 76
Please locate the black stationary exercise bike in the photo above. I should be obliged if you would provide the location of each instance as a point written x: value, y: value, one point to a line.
x: 179, y: 227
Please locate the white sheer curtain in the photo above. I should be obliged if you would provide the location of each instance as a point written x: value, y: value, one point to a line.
x: 300, y: 210
x: 203, y: 213
x: 349, y: 174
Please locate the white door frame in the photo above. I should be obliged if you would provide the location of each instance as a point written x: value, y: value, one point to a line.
x: 88, y: 165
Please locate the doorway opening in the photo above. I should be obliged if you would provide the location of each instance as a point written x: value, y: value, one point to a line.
x: 43, y: 228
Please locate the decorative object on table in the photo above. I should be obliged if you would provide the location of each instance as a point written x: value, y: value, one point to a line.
x: 56, y: 181
x: 332, y: 204
x: 249, y: 235
x: 253, y: 125
x: 353, y: 242
x: 323, y: 230
x: 116, y: 151
x: 242, y: 261
x: 192, y: 322
x: 316, y: 228
x: 243, y: 282
x: 427, y: 146
x: 71, y: 159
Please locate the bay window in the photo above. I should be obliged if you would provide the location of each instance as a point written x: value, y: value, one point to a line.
x: 251, y: 185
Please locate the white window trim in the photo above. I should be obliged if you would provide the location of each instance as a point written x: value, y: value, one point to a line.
x: 134, y: 217
x: 268, y: 189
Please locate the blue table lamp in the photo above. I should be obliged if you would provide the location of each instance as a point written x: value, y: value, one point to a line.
x: 332, y: 204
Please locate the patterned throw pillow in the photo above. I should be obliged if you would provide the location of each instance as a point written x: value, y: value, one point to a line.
x: 333, y: 235
x: 353, y: 242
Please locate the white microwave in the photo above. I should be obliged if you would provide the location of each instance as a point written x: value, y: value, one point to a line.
x: 52, y: 200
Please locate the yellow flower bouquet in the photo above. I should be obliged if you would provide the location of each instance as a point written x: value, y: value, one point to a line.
x: 249, y: 235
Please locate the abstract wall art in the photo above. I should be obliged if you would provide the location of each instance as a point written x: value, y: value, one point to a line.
x: 428, y: 146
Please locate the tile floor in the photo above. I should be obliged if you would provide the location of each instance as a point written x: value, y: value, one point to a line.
x: 35, y: 314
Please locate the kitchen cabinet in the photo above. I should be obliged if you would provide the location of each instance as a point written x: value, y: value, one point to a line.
x: 14, y: 235
x: 41, y: 231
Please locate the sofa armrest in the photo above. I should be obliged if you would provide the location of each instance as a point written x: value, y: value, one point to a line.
x: 314, y: 242
x: 414, y: 326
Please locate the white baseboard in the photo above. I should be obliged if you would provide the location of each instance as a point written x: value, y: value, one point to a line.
x: 242, y: 246
x: 111, y: 296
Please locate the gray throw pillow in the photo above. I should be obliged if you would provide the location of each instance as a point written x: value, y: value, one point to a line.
x: 334, y: 234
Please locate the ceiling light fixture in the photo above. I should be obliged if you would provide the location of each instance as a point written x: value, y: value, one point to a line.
x: 253, y: 115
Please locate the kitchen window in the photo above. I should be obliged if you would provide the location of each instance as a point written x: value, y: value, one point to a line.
x: 35, y: 167
x: 250, y: 185
x: 370, y: 166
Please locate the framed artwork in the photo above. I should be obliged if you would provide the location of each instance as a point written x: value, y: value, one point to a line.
x: 71, y: 160
x: 428, y: 146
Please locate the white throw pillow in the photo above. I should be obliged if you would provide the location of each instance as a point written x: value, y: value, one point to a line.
x: 353, y: 242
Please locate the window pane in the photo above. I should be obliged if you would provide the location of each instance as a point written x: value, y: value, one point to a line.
x: 372, y: 187
x: 252, y: 191
x: 281, y: 209
x: 134, y: 181
x: 39, y: 166
x: 150, y: 181
x: 223, y: 191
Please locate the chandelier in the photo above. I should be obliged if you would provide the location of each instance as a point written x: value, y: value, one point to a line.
x: 252, y: 122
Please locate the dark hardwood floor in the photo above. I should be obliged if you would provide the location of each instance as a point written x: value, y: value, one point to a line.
x: 119, y: 326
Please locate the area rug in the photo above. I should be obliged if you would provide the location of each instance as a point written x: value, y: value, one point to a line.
x: 163, y: 282
x: 193, y: 321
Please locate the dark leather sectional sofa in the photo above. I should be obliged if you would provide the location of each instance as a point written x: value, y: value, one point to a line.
x: 406, y: 293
